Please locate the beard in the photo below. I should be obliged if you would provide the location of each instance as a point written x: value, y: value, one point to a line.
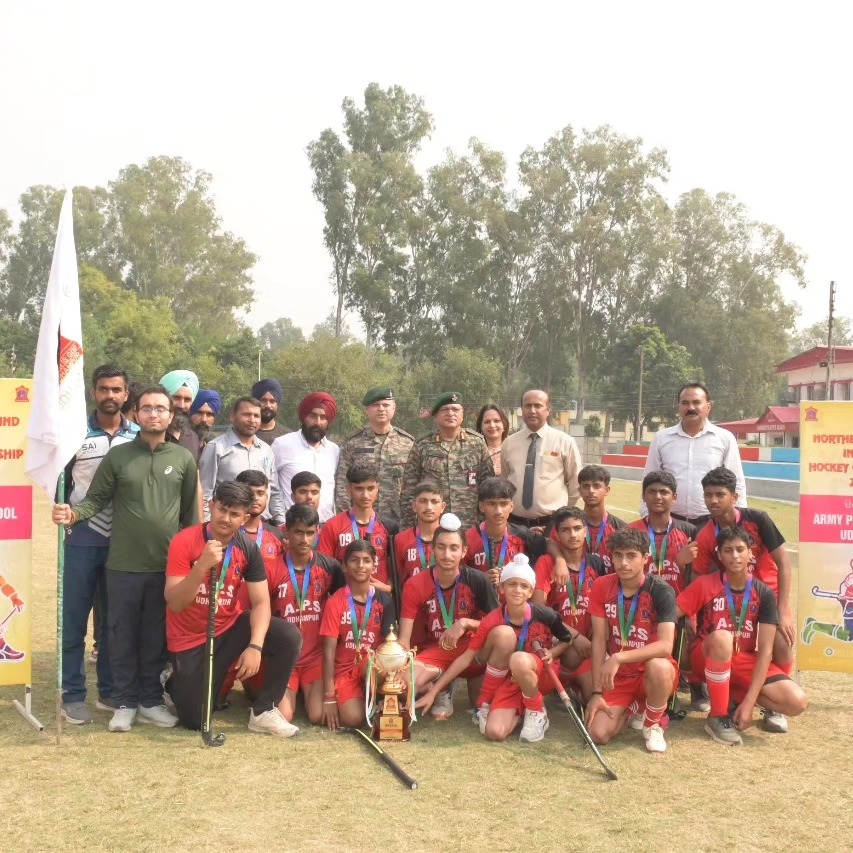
x: 313, y: 434
x: 202, y: 430
x: 267, y: 415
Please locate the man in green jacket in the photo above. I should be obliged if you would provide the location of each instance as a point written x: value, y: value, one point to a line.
x: 152, y: 486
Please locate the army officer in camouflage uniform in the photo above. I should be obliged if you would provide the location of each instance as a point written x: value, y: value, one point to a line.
x: 380, y: 445
x: 455, y: 457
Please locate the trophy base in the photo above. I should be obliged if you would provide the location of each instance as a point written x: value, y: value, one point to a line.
x: 392, y: 719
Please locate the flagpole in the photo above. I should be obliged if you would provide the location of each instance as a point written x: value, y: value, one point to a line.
x: 60, y: 595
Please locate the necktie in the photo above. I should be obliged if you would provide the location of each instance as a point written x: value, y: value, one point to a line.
x: 529, y: 472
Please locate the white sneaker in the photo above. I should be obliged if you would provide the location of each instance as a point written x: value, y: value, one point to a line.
x: 442, y: 708
x: 774, y: 721
x: 159, y: 715
x: 480, y: 716
x: 271, y: 722
x: 655, y: 741
x: 535, y: 725
x: 122, y: 719
x: 637, y: 720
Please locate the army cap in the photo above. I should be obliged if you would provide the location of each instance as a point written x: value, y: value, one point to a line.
x: 446, y: 399
x: 374, y: 395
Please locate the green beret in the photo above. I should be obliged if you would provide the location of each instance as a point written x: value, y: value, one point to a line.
x: 446, y: 398
x: 374, y: 395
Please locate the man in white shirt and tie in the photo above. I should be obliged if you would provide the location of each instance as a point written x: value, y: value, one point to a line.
x: 689, y: 450
x: 308, y: 449
x: 541, y: 462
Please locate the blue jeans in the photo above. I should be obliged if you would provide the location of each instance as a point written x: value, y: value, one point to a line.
x: 85, y: 566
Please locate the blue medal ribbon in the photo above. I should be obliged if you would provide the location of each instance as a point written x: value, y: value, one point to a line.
x: 226, y: 562
x: 356, y: 528
x: 658, y: 560
x: 358, y: 630
x: 739, y: 621
x: 574, y: 596
x: 306, y: 582
x: 525, y: 626
x: 487, y: 547
x: 422, y: 552
x: 717, y: 526
x: 598, y: 539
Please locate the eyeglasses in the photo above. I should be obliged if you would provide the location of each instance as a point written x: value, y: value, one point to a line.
x: 153, y: 410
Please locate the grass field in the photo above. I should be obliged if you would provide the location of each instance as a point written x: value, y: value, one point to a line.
x: 154, y: 790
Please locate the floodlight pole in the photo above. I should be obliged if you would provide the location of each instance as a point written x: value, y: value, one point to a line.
x: 830, y: 351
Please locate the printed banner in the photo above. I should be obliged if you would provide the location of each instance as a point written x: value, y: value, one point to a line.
x: 825, y: 597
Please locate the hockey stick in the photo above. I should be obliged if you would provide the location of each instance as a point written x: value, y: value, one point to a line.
x: 564, y: 698
x: 207, y: 735
x: 3, y: 623
x: 822, y: 593
x: 672, y: 710
x: 395, y: 768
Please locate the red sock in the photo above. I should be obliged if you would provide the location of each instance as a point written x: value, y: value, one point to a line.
x: 492, y: 680
x: 533, y: 703
x: 653, y: 715
x: 718, y: 676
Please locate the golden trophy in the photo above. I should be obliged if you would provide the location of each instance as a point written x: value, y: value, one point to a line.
x: 385, y: 702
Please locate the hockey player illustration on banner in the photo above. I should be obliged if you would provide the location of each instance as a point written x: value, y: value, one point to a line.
x: 844, y: 596
x: 7, y: 653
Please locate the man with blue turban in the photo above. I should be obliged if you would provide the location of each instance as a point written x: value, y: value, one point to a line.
x: 269, y: 392
x: 204, y: 412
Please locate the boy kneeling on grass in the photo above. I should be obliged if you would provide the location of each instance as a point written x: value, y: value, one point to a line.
x: 243, y: 637
x: 736, y: 625
x: 633, y: 631
x: 507, y: 641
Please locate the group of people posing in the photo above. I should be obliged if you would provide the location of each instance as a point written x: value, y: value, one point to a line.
x: 313, y: 553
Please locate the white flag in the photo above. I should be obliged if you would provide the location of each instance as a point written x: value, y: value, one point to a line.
x: 58, y: 414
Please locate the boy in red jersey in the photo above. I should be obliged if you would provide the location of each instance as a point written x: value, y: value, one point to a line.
x: 413, y: 546
x: 361, y: 522
x: 305, y: 488
x: 735, y: 629
x: 495, y: 542
x: 265, y: 535
x: 300, y: 585
x: 768, y: 563
x: 672, y: 543
x: 241, y: 636
x: 447, y: 603
x: 633, y: 630
x: 594, y: 487
x: 356, y: 619
x: 571, y: 600
x: 506, y: 641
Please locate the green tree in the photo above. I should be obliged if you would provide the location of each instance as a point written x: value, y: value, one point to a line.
x: 366, y: 183
x: 279, y: 333
x: 817, y: 335
x: 721, y: 297
x: 666, y: 367
x: 168, y: 239
x: 140, y: 335
x: 595, y: 206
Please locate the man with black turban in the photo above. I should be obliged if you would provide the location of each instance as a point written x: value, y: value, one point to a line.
x: 269, y: 392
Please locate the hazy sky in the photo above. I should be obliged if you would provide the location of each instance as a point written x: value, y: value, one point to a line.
x: 751, y: 98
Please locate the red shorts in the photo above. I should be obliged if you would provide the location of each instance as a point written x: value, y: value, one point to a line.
x: 632, y: 688
x: 350, y: 685
x: 743, y: 665
x: 508, y: 695
x: 571, y: 677
x: 303, y: 676
x: 442, y: 658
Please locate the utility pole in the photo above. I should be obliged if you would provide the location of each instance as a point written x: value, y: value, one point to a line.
x: 639, y: 430
x: 830, y: 350
x: 259, y: 365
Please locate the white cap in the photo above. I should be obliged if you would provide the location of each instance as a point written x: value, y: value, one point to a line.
x: 449, y: 521
x: 519, y: 568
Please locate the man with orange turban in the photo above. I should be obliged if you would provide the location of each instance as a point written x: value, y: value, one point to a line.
x: 308, y: 449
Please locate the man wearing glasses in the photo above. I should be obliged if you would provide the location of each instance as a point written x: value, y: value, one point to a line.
x: 380, y: 445
x: 454, y: 457
x: 152, y: 486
